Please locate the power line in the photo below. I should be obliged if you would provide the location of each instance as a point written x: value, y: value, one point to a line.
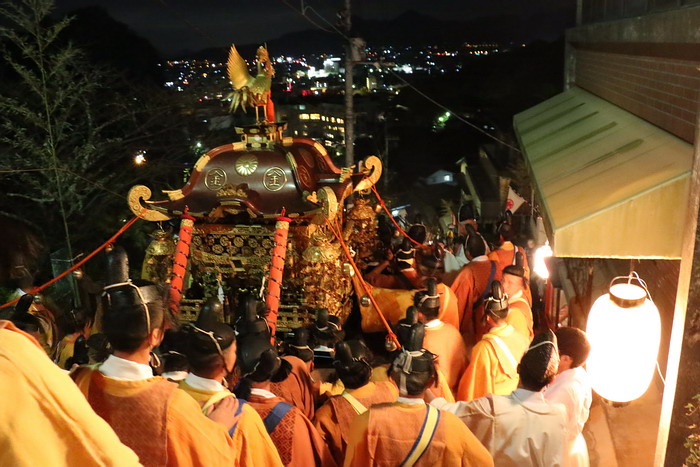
x: 403, y: 80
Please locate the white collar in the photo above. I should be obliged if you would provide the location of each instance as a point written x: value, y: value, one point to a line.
x: 262, y: 393
x: 205, y: 384
x: 126, y: 370
x: 432, y: 324
x: 410, y: 400
x: 515, y: 296
x: 479, y: 259
x: 175, y: 375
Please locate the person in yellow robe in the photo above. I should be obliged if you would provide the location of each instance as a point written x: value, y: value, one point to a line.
x: 45, y: 418
x: 493, y: 368
x: 515, y: 284
x: 408, y: 431
x: 506, y: 254
x: 297, y: 441
x: 471, y: 287
x: 76, y: 326
x: 441, y: 339
x: 211, y: 352
x: 334, y: 417
x: 163, y: 425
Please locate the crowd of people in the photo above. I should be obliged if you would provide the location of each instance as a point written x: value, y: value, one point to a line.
x: 465, y: 378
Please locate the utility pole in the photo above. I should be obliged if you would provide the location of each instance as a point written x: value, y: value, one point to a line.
x: 346, y: 18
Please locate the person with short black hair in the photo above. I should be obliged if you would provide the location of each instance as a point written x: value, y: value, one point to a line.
x: 494, y: 359
x: 352, y: 366
x: 76, y: 328
x: 442, y: 339
x: 521, y: 428
x: 297, y: 441
x: 408, y: 431
x: 572, y: 388
x: 162, y: 424
x: 515, y: 284
x: 211, y: 350
x: 472, y: 286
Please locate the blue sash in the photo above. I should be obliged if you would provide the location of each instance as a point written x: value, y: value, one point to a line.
x: 275, y: 416
x: 238, y: 412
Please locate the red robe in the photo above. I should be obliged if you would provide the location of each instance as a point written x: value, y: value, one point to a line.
x: 333, y: 419
x: 468, y: 286
x: 298, y: 388
x: 297, y: 441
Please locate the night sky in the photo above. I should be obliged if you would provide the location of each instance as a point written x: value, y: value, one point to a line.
x: 175, y: 26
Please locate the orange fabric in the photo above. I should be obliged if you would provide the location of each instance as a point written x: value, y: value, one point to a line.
x: 486, y: 373
x: 190, y: 437
x: 296, y: 439
x: 385, y: 434
x: 45, y: 418
x: 445, y: 341
x: 380, y: 374
x: 333, y: 419
x: 298, y: 388
x: 520, y: 317
x: 504, y: 257
x: 252, y: 442
x: 468, y: 286
x: 393, y: 281
x: 395, y: 302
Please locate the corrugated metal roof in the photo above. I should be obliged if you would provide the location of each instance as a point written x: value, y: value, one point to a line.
x: 612, y: 184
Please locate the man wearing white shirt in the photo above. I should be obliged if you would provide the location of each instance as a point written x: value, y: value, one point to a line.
x: 572, y: 388
x: 521, y: 429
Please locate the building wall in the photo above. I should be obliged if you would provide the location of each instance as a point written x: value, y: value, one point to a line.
x: 646, y: 65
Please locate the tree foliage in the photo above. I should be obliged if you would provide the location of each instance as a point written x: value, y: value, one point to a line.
x: 69, y: 130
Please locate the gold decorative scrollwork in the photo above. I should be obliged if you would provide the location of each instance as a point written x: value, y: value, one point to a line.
x: 373, y: 171
x: 140, y: 193
x: 236, y: 191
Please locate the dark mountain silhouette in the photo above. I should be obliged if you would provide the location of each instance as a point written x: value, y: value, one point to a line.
x: 414, y: 29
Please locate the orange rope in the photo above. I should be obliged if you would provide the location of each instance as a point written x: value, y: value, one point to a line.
x: 78, y: 264
x: 401, y: 231
x: 365, y: 286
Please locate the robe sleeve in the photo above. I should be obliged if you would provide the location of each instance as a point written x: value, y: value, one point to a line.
x: 519, y: 322
x: 253, y: 444
x: 463, y: 289
x: 308, y: 446
x: 462, y: 447
x: 327, y: 426
x: 193, y: 439
x: 477, y: 415
x: 357, y: 452
x: 477, y: 381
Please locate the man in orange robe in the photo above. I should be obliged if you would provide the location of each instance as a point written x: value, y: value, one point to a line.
x: 162, y: 424
x: 505, y: 254
x: 211, y: 352
x: 297, y: 441
x: 408, y: 431
x: 515, y: 284
x: 46, y: 420
x: 298, y: 388
x: 493, y: 368
x: 471, y: 287
x: 442, y: 339
x: 334, y: 417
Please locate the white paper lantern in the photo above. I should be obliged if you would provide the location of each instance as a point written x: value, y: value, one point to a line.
x: 540, y: 267
x: 624, y: 331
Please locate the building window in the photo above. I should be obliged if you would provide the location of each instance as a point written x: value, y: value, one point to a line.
x: 315, y: 117
x: 303, y: 116
x: 341, y: 121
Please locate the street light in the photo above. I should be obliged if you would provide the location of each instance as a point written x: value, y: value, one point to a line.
x: 140, y: 157
x: 540, y: 266
x: 624, y: 330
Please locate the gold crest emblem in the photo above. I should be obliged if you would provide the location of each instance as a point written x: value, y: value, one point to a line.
x: 246, y: 164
